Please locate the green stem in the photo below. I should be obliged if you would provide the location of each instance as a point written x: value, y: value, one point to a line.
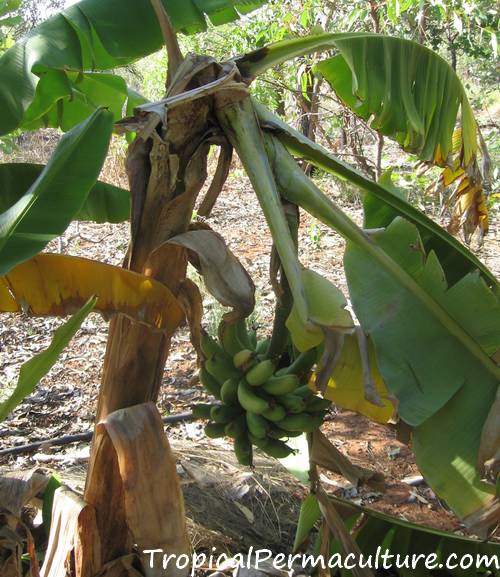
x: 240, y: 125
x: 284, y: 301
x: 299, y: 189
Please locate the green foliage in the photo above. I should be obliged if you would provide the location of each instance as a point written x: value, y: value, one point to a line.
x: 56, y: 197
x: 104, y: 203
x: 38, y: 366
x: 91, y: 35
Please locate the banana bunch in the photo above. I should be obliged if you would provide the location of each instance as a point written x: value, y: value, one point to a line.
x: 260, y: 406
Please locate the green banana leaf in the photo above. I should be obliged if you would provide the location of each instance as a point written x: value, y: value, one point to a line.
x: 57, y: 195
x: 414, y: 94
x: 443, y: 388
x: 37, y: 367
x: 105, y: 202
x: 455, y: 258
x: 92, y: 35
x: 374, y: 530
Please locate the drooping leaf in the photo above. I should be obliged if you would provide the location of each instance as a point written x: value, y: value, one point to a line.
x: 92, y: 35
x: 53, y: 285
x: 346, y: 387
x: 37, y: 367
x: 456, y: 259
x: 413, y: 93
x: 104, y: 203
x: 413, y: 96
x: 224, y: 275
x: 426, y: 364
x: 57, y: 195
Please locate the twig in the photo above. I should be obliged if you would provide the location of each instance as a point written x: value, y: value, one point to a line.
x: 79, y: 437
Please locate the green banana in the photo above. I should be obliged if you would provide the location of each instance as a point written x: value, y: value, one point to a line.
x: 243, y: 359
x: 249, y: 400
x: 314, y: 404
x: 229, y: 392
x: 214, y: 430
x: 275, y: 414
x: 228, y: 337
x: 292, y: 403
x: 303, y: 422
x: 277, y: 433
x: 277, y: 449
x: 281, y: 385
x: 224, y: 413
x: 257, y: 425
x: 243, y: 334
x: 210, y: 347
x: 221, y: 369
x: 301, y: 365
x: 304, y: 392
x: 260, y: 373
x: 243, y: 450
x: 202, y: 410
x: 210, y: 383
x: 257, y: 441
x: 236, y: 428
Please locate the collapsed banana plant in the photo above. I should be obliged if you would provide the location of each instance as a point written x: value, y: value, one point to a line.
x: 427, y: 307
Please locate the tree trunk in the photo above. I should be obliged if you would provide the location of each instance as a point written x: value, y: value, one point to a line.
x: 166, y: 172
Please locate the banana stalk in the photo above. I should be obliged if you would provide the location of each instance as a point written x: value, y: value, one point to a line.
x: 239, y: 123
x: 284, y: 300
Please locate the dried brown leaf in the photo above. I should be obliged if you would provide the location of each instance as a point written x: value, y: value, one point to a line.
x: 224, y: 275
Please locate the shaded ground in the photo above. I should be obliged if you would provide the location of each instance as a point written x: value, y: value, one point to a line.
x: 65, y: 401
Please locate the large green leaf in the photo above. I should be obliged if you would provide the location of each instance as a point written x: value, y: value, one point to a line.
x: 37, y: 367
x: 456, y: 259
x: 93, y: 35
x: 413, y: 94
x: 57, y: 195
x: 105, y: 202
x: 419, y: 355
x: 441, y: 387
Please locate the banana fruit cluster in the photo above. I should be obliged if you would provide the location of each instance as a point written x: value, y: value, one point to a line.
x: 260, y: 406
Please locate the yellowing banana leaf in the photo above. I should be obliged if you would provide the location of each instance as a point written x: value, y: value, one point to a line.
x: 346, y: 387
x: 326, y: 305
x: 91, y: 35
x: 37, y: 367
x: 48, y: 206
x: 105, y: 202
x: 54, y: 285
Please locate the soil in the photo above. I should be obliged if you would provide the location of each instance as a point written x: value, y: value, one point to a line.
x: 65, y: 400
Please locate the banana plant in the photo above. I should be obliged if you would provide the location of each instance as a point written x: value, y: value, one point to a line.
x: 426, y: 348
